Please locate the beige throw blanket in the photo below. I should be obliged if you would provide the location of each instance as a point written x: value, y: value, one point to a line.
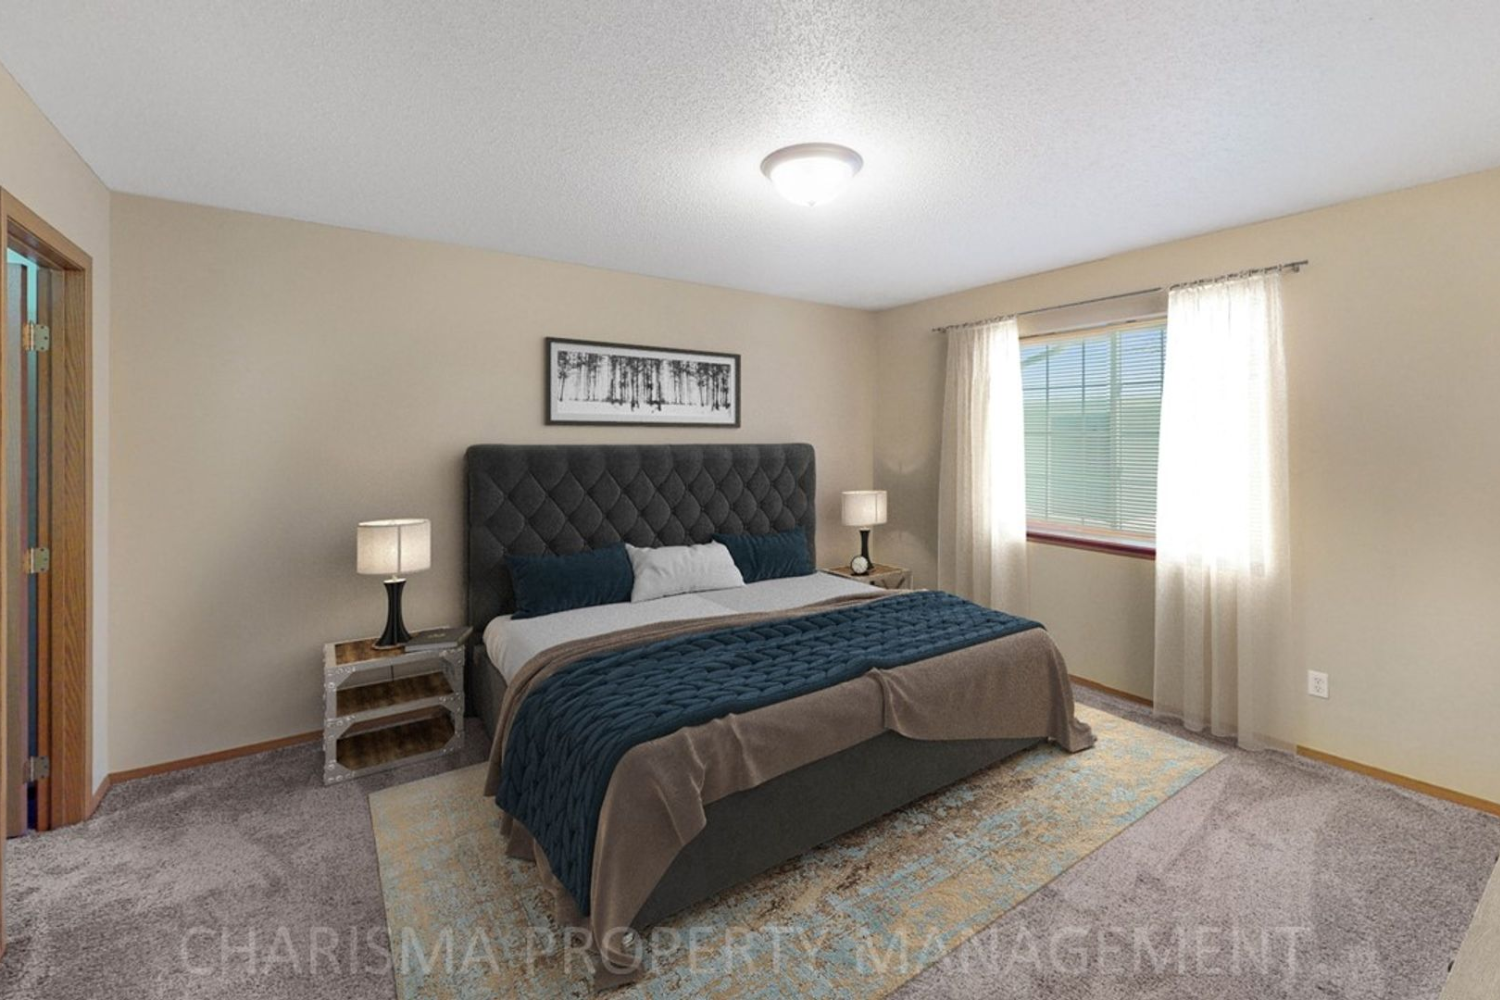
x: 1012, y: 687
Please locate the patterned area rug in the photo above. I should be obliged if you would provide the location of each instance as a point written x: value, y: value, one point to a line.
x: 856, y: 917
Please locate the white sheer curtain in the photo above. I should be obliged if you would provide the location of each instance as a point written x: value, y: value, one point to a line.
x: 982, y: 481
x: 1221, y: 518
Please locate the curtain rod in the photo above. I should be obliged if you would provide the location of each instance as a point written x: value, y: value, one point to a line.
x: 1293, y: 265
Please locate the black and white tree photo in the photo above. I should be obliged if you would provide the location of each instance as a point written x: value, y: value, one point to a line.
x: 616, y: 383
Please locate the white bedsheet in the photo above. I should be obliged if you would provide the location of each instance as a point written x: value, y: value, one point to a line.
x: 510, y: 644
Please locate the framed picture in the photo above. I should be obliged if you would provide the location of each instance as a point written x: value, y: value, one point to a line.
x: 589, y: 382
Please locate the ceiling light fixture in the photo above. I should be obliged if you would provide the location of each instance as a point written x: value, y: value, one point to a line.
x: 811, y: 173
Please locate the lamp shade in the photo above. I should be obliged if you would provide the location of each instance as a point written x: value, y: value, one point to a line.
x: 395, y: 547
x: 864, y: 508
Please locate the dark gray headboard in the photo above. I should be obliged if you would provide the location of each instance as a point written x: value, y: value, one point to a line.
x: 535, y: 499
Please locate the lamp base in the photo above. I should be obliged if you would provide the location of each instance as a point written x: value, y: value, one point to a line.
x: 864, y: 552
x: 395, y: 633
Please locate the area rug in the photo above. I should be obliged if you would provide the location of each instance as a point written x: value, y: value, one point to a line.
x: 856, y: 917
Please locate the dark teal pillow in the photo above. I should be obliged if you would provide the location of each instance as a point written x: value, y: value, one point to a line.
x: 545, y: 585
x: 769, y: 557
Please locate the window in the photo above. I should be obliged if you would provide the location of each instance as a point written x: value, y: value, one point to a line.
x: 1093, y: 413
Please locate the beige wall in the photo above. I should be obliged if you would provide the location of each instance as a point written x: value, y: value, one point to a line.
x: 276, y: 382
x: 39, y: 167
x: 1393, y: 356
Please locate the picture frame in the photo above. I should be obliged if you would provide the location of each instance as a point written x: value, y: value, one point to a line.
x: 599, y: 383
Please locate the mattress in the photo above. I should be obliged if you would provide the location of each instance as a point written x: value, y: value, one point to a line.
x: 510, y: 644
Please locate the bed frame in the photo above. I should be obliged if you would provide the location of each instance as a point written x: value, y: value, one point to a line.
x: 560, y: 499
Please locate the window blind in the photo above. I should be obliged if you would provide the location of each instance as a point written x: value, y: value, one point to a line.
x: 1093, y: 414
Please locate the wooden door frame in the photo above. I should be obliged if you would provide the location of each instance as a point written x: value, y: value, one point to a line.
x: 67, y: 795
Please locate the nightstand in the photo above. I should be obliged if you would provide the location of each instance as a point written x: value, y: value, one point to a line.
x: 386, y: 707
x: 888, y: 577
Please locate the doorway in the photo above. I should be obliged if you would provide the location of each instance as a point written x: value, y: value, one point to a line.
x: 45, y: 525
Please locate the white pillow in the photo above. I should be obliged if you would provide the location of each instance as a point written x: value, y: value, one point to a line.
x: 681, y: 569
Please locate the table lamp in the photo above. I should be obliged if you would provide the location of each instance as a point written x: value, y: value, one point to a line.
x: 393, y: 548
x: 863, y: 509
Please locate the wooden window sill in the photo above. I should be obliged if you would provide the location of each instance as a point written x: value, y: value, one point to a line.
x: 1134, y: 550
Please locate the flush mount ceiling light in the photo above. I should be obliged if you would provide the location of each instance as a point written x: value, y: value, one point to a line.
x: 812, y: 172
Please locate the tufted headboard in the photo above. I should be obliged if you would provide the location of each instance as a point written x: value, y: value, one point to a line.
x: 535, y: 499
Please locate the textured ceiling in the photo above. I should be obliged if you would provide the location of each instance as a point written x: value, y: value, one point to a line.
x: 1000, y: 138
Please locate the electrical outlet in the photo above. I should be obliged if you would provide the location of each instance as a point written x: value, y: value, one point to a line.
x: 1317, y: 684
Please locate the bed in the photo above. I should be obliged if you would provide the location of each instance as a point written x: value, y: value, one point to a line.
x: 873, y: 742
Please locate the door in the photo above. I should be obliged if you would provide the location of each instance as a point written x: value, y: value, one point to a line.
x: 17, y: 676
x: 25, y: 398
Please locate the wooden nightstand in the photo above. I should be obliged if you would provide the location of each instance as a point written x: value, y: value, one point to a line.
x: 888, y: 577
x: 386, y: 707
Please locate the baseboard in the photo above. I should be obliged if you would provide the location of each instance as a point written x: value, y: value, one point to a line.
x: 1391, y: 777
x: 99, y: 793
x: 213, y: 758
x: 1106, y: 689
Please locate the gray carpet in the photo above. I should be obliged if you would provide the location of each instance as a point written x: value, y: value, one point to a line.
x: 1268, y: 877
